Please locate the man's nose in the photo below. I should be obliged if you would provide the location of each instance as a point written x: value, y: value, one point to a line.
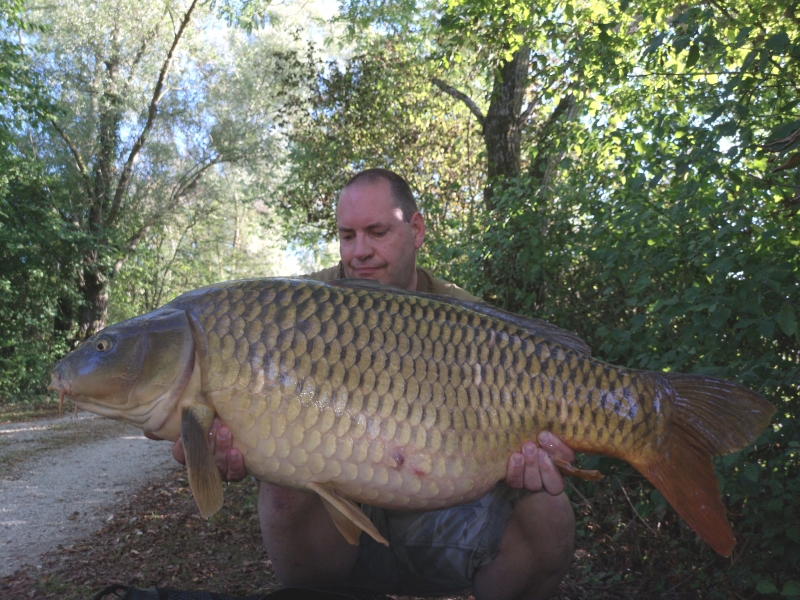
x: 363, y: 249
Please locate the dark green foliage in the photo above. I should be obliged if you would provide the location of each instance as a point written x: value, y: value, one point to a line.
x: 672, y: 242
x: 33, y: 278
x: 696, y: 283
x: 36, y: 272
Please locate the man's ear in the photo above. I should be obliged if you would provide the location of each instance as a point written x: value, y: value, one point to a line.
x: 418, y: 225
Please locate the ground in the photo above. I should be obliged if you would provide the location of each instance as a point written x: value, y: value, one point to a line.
x: 87, y: 502
x: 97, y: 504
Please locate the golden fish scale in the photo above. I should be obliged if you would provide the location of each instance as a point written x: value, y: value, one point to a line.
x: 401, y: 400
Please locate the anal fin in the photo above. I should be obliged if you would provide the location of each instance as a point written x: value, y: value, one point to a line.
x: 346, y: 515
x: 204, y: 477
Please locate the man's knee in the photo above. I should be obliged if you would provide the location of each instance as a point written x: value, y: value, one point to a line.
x: 535, y: 551
x: 548, y: 521
x: 284, y: 505
x: 303, y: 543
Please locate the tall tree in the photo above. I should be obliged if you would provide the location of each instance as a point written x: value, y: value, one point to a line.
x: 153, y: 103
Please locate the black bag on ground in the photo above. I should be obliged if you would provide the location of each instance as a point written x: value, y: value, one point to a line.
x: 125, y: 592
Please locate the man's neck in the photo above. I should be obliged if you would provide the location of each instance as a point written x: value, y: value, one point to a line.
x: 412, y: 287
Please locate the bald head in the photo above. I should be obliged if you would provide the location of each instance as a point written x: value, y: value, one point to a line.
x: 401, y: 192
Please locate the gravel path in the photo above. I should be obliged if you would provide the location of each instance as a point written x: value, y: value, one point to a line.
x: 60, y: 480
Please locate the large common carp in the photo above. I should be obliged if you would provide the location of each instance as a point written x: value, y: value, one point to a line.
x: 369, y: 394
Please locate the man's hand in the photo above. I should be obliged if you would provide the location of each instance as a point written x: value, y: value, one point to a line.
x: 533, y: 468
x: 229, y: 460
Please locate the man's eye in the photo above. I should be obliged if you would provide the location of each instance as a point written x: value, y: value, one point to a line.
x: 379, y: 233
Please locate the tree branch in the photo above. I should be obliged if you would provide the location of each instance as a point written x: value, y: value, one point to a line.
x: 158, y: 92
x: 783, y: 143
x: 563, y: 106
x: 132, y: 243
x: 187, y: 182
x: 87, y: 182
x: 451, y: 91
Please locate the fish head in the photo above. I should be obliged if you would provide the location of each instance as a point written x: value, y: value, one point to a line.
x: 134, y: 371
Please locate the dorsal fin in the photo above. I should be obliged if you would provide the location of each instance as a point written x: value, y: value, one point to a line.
x: 536, y: 327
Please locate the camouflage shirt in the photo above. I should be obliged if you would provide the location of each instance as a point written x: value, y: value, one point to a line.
x: 426, y: 282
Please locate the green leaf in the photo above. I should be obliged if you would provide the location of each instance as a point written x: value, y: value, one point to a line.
x: 742, y: 36
x: 767, y: 328
x: 657, y: 41
x: 719, y: 317
x: 694, y: 55
x: 778, y: 43
x: 793, y: 533
x: 786, y: 319
x: 766, y: 587
x: 791, y: 588
x: 751, y: 471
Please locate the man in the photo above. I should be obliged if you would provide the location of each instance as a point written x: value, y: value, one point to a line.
x: 516, y: 542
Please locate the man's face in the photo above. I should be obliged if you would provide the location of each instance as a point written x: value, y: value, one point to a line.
x: 374, y: 241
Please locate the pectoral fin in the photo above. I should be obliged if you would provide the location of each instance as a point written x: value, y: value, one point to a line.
x: 204, y: 477
x: 346, y: 515
x: 568, y: 469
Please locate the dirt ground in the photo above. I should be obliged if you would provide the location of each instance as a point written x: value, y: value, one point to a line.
x: 62, y: 478
x: 87, y: 502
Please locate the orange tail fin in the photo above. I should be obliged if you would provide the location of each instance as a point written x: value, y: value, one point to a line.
x: 711, y: 417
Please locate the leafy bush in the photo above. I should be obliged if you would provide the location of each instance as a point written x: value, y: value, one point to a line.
x: 35, y: 277
x: 675, y: 277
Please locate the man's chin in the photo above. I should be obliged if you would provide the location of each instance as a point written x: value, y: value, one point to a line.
x: 368, y: 274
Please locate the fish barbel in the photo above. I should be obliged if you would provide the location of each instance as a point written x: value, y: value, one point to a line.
x: 363, y: 393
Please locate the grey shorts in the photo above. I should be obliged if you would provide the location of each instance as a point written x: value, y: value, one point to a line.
x: 433, y: 553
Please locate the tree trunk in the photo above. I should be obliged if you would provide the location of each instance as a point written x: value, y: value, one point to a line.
x: 502, y: 129
x: 106, y: 181
x: 93, y: 286
x: 502, y: 134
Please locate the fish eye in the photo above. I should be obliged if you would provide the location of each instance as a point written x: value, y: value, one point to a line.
x: 102, y: 345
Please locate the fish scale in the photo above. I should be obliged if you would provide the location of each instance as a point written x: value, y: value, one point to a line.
x: 439, y: 385
x: 362, y: 393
